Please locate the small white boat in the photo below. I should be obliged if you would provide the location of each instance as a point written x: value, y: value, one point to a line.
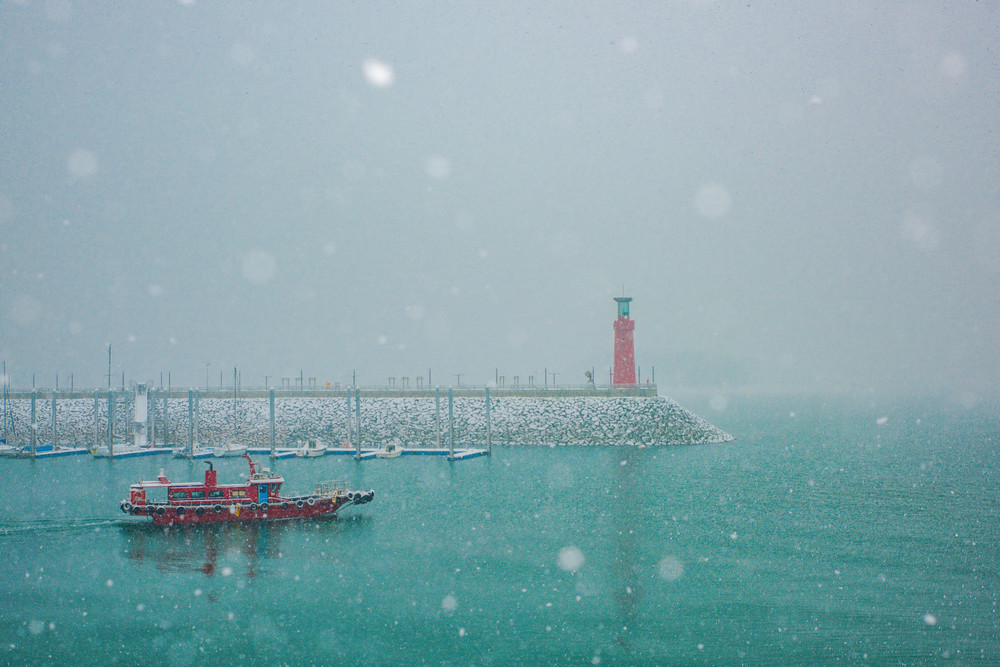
x: 391, y: 450
x: 229, y: 449
x: 312, y: 447
x: 195, y: 452
x: 9, y: 450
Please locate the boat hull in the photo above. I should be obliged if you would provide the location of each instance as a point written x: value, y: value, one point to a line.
x: 198, y: 453
x: 310, y: 453
x: 224, y: 452
x: 302, y: 507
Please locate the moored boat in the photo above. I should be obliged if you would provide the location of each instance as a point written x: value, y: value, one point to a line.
x: 196, y: 451
x: 257, y: 499
x: 391, y: 450
x: 311, y: 447
x: 230, y: 449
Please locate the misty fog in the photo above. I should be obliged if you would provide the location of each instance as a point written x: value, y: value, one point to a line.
x: 797, y: 196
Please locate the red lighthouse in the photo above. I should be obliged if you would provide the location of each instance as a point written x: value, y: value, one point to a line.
x: 624, y: 371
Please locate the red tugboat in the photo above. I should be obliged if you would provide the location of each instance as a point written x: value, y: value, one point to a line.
x: 258, y: 499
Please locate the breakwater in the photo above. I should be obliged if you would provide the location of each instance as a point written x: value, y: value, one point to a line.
x: 415, y: 420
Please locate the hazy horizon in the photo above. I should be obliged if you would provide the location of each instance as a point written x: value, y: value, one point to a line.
x: 799, y: 196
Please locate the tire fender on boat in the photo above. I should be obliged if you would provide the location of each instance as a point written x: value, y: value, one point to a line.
x: 253, y: 507
x: 161, y: 510
x: 126, y: 506
x: 217, y: 509
x: 311, y: 501
x: 299, y: 504
x: 284, y: 505
x: 263, y: 507
x: 180, y: 511
x: 199, y: 510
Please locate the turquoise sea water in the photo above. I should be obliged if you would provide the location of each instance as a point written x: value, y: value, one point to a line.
x: 820, y: 535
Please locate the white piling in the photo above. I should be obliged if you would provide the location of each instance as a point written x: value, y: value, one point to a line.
x: 140, y: 415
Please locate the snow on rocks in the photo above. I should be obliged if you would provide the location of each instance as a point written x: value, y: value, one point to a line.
x: 414, y: 421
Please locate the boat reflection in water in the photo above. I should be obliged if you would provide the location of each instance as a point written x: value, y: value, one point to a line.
x: 232, y: 547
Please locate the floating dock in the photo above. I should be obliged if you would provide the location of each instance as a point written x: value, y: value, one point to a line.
x: 43, y: 452
x: 365, y: 454
x: 458, y: 455
x: 282, y: 453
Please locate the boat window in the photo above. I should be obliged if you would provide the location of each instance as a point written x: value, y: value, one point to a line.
x: 238, y: 493
x: 178, y: 495
x: 197, y: 494
x: 216, y: 493
x: 158, y: 495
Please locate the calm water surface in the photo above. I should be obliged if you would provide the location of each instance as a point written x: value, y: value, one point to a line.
x: 821, y: 535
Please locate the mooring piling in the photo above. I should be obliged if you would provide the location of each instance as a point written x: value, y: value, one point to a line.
x: 34, y: 423
x: 54, y: 418
x: 357, y: 412
x: 271, y: 400
x: 111, y: 423
x: 97, y: 439
x: 437, y: 416
x: 451, y: 424
x: 489, y: 435
x: 350, y: 435
x: 191, y: 421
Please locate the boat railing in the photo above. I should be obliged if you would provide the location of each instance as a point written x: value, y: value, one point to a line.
x: 328, y: 488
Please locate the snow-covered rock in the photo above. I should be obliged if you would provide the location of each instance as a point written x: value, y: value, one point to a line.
x: 414, y: 421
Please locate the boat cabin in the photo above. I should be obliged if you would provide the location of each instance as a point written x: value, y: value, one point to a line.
x: 261, y: 487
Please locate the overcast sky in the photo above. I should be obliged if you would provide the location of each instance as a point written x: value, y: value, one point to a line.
x: 797, y: 195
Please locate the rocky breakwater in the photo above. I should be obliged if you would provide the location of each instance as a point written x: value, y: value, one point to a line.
x: 416, y: 422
